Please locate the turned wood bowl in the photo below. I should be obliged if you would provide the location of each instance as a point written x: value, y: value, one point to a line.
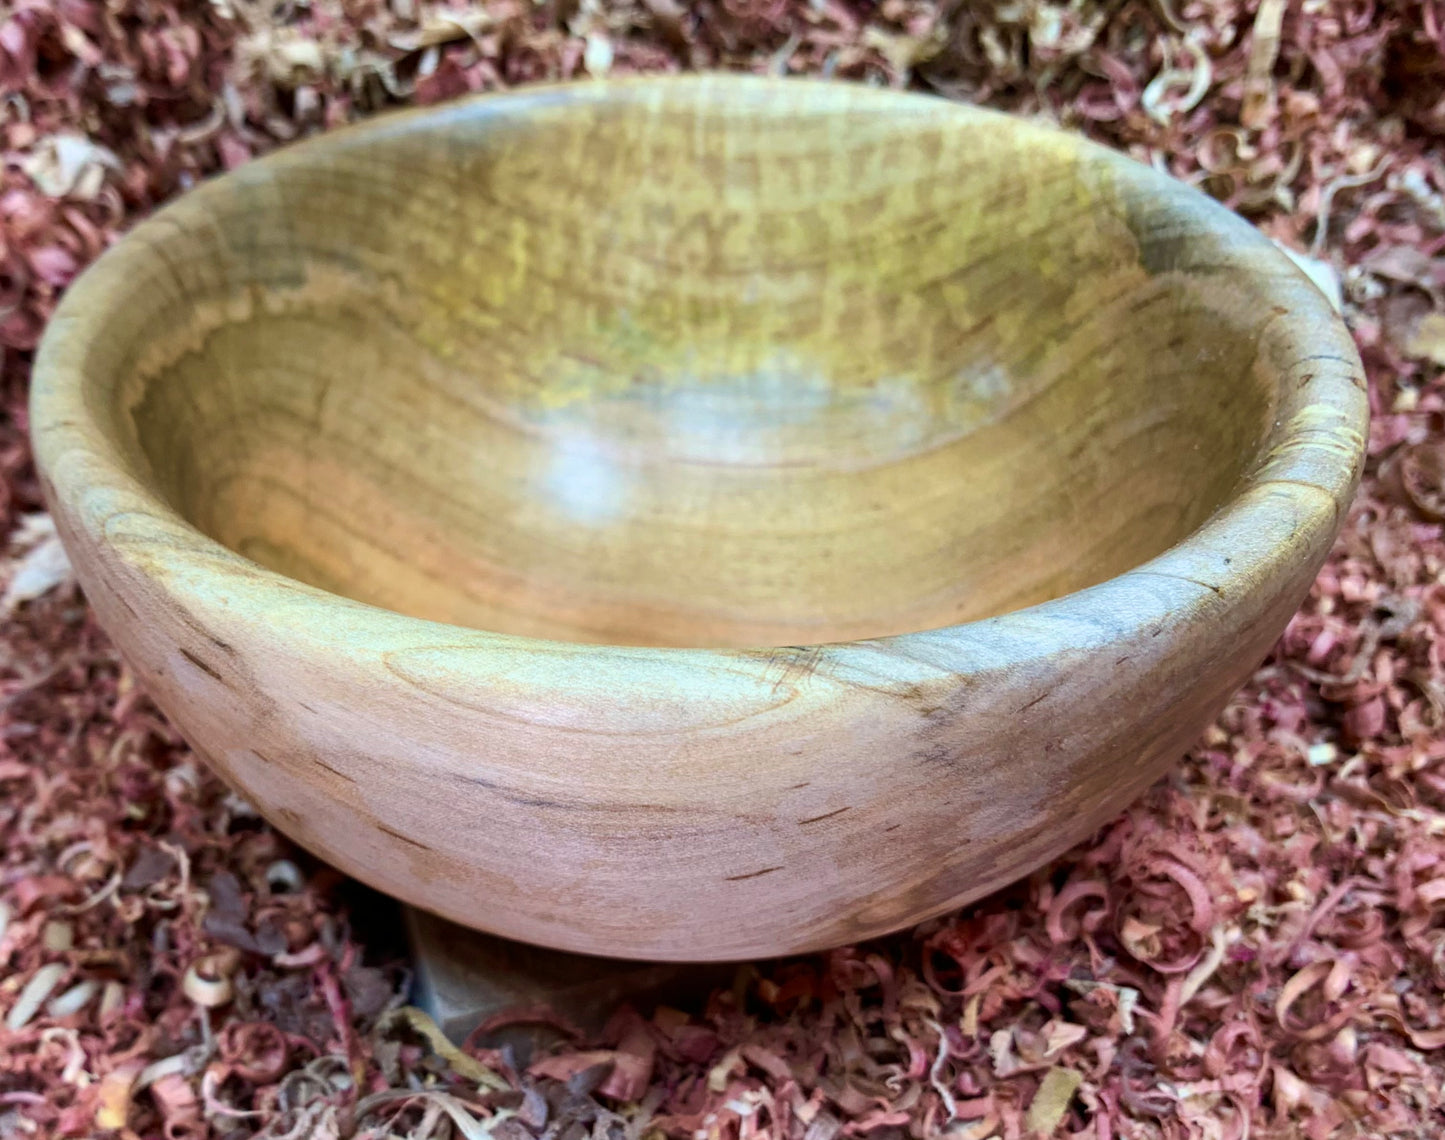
x: 695, y: 518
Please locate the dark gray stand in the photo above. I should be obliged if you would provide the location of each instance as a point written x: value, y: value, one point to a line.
x: 463, y: 978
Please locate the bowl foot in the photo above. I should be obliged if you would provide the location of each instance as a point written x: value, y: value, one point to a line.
x: 464, y: 978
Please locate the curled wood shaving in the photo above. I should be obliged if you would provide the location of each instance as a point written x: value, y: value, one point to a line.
x: 1259, y: 75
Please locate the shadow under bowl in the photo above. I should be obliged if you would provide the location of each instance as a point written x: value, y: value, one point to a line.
x: 695, y: 518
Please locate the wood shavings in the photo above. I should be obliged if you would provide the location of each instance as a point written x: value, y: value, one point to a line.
x: 1177, y: 90
x: 1322, y: 273
x: 1327, y: 197
x: 1259, y: 102
x: 113, y: 1098
x: 38, y: 564
x: 1422, y: 473
x: 207, y: 984
x: 597, y: 54
x: 37, y: 989
x: 1427, y: 339
x: 1051, y: 1101
x: 418, y: 1022
x: 69, y: 165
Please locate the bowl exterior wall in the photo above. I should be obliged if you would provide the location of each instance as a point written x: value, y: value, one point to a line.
x: 689, y: 806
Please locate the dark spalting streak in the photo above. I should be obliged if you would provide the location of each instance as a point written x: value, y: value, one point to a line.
x: 892, y: 827
x: 940, y: 707
x: 825, y: 815
x: 750, y: 875
x: 334, y: 771
x: 258, y: 708
x: 537, y: 801
x: 202, y: 666
x: 525, y: 800
x: 1036, y: 700
x: 512, y: 797
x: 909, y: 692
x: 479, y: 781
x: 795, y: 662
x: 1333, y: 358
x: 1183, y: 578
x: 391, y: 831
x: 938, y: 753
x: 190, y: 622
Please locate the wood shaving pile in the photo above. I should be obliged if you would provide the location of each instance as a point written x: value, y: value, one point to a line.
x: 1256, y: 949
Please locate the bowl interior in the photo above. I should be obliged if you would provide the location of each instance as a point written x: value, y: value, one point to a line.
x: 663, y: 366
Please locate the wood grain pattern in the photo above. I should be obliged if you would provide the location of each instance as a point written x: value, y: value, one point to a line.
x: 695, y: 518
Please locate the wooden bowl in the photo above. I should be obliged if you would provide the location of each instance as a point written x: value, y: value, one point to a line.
x: 695, y: 518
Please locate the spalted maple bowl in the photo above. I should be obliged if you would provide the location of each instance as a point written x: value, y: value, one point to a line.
x: 695, y: 518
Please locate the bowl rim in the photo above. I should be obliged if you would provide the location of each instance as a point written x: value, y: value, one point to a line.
x: 1259, y: 533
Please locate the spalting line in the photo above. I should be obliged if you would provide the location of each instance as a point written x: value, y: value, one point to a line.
x: 1031, y: 704
x: 202, y: 666
x: 750, y: 875
x: 335, y: 771
x: 820, y: 818
x: 292, y: 817
x: 1333, y: 358
x: 391, y: 831
x: 798, y: 664
x: 1185, y: 577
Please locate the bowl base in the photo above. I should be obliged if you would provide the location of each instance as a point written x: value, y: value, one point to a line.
x: 464, y: 978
